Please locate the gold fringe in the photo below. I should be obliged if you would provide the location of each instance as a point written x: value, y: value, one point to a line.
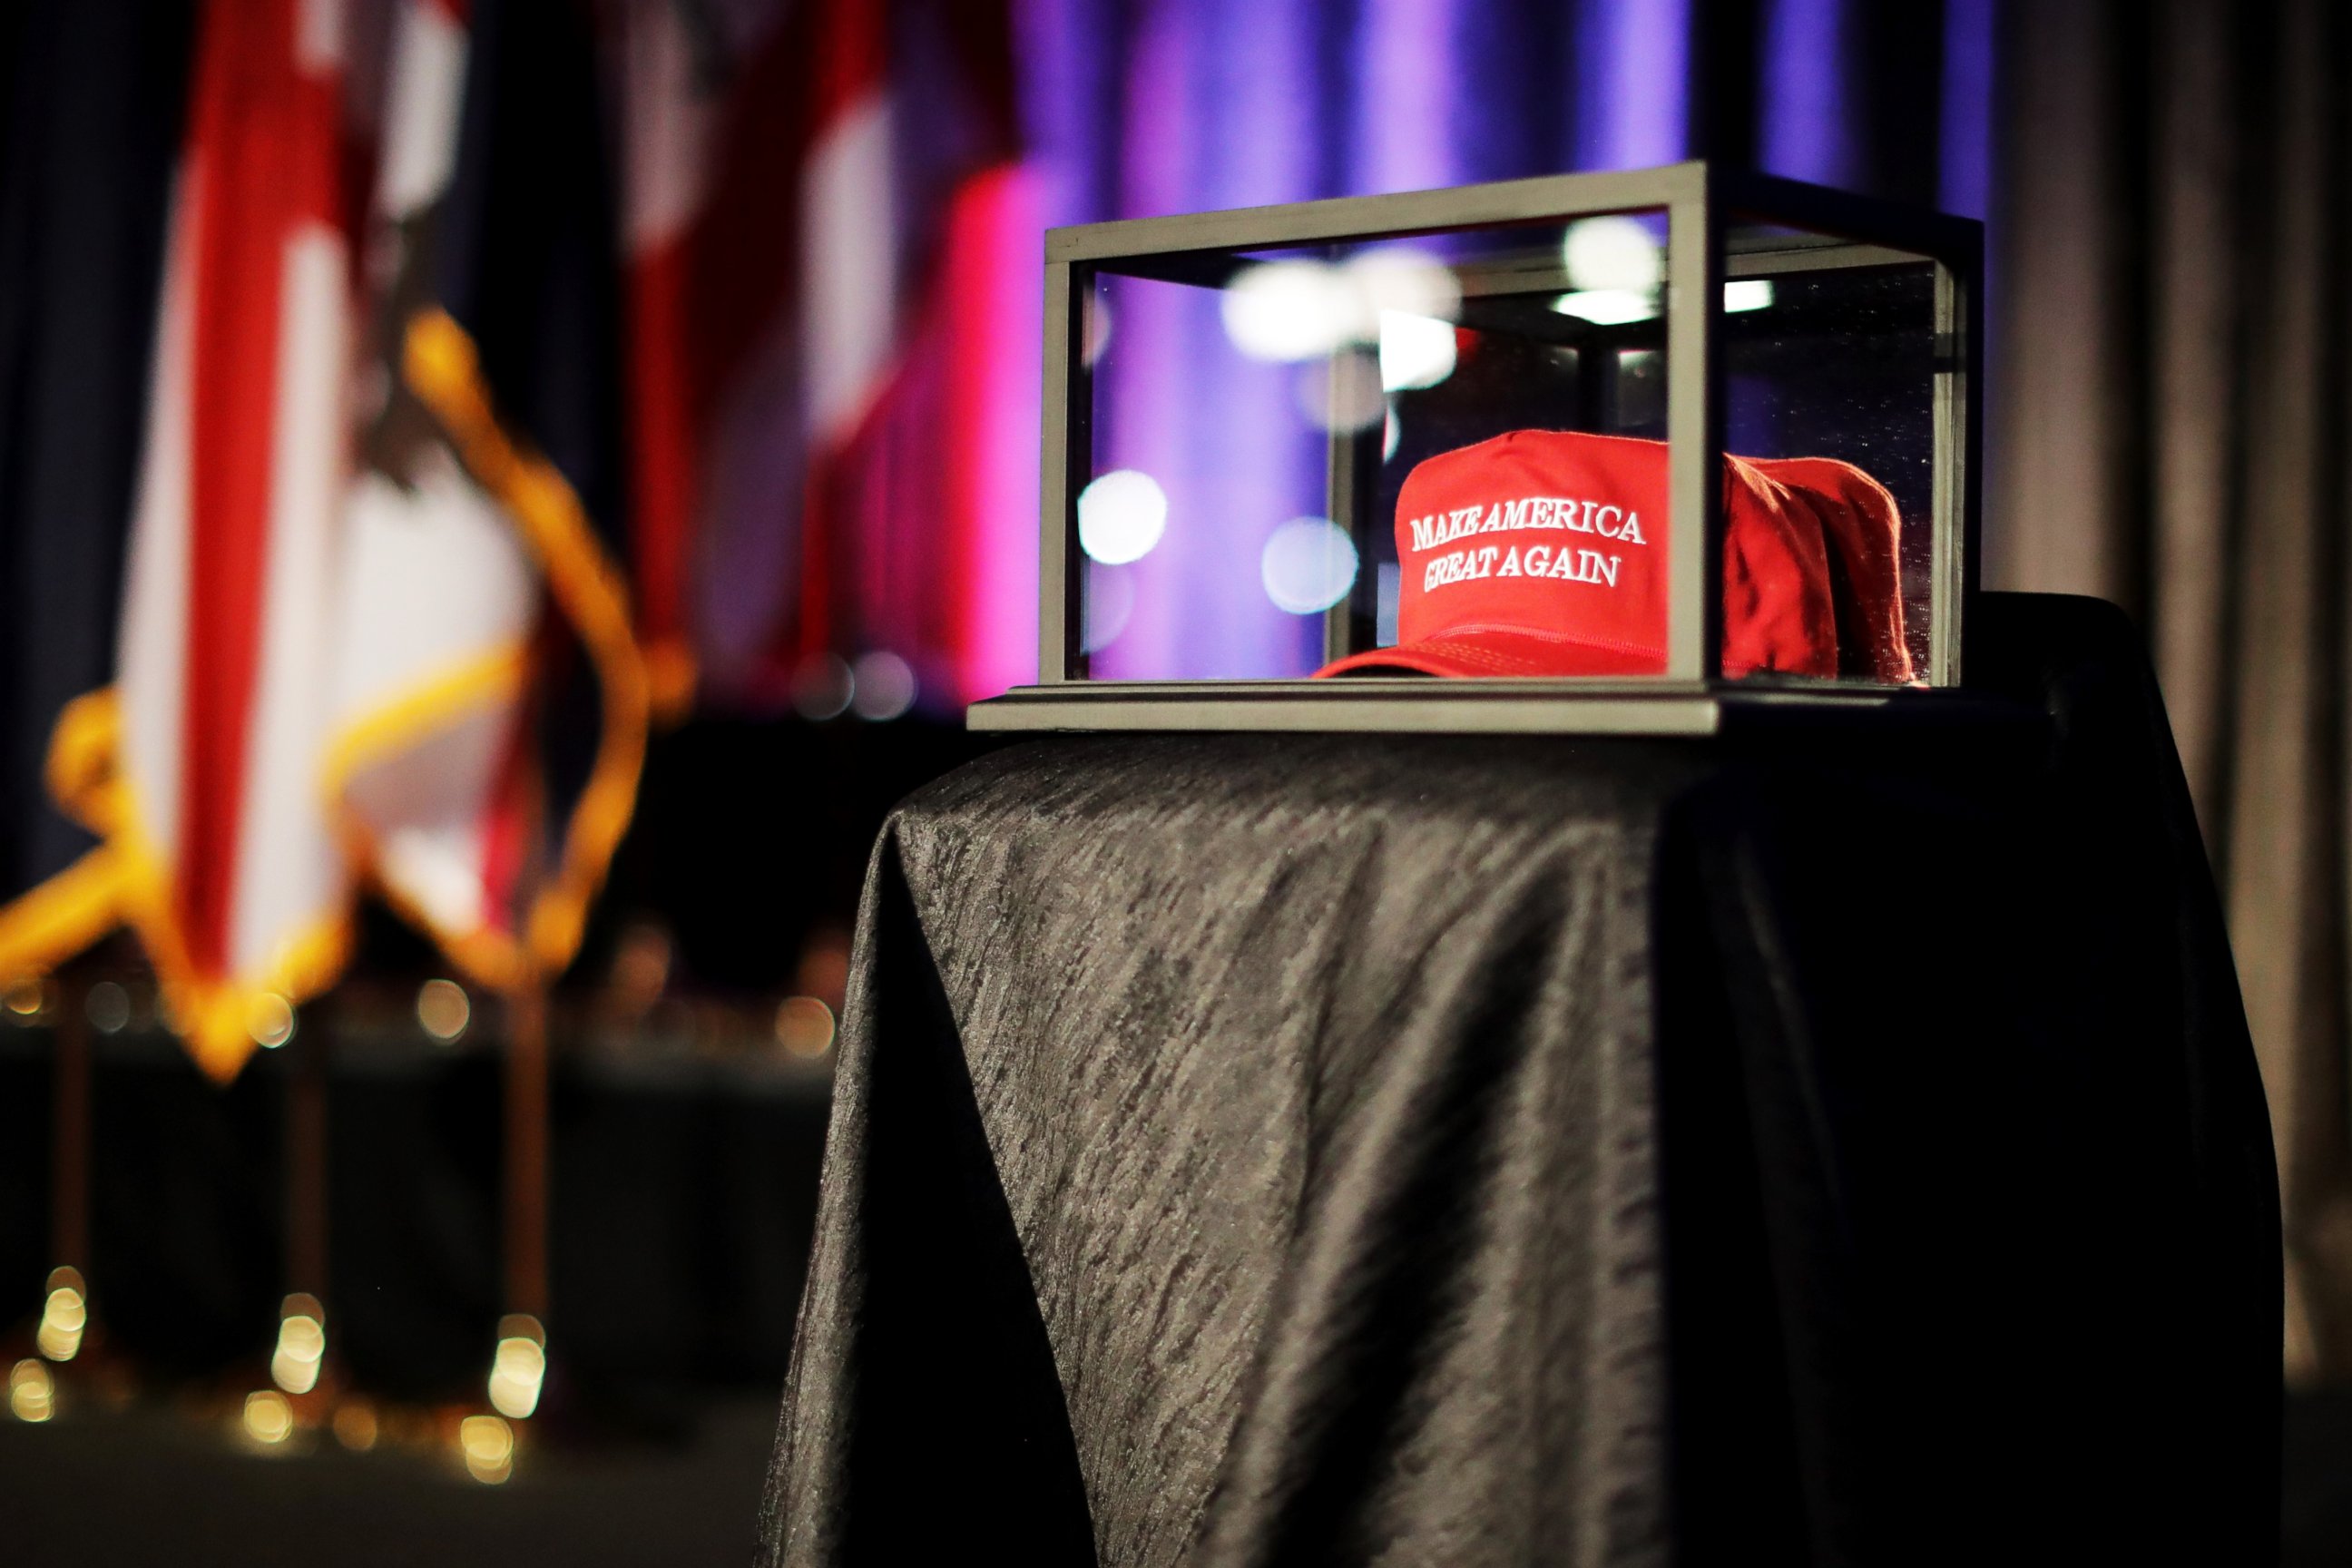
x: 443, y: 369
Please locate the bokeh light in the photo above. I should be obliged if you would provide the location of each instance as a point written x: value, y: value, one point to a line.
x: 1301, y: 310
x: 301, y: 1344
x: 804, y: 1026
x: 1412, y: 282
x: 1308, y: 565
x: 884, y: 686
x: 821, y: 687
x: 1122, y: 515
x: 107, y: 1007
x: 519, y: 1366
x: 269, y: 1418
x: 1614, y: 307
x: 487, y: 1443
x: 1415, y: 351
x: 32, y: 1392
x: 1612, y: 254
x: 1286, y: 311
x: 269, y: 1020
x: 1607, y: 306
x: 65, y: 1314
x: 443, y: 1009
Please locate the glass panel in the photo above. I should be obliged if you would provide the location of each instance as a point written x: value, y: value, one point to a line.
x: 1306, y: 453
x: 1830, y: 367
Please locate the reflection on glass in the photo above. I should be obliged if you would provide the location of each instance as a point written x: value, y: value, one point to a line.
x: 1308, y: 565
x: 1258, y: 419
x: 1838, y: 363
x: 1122, y: 516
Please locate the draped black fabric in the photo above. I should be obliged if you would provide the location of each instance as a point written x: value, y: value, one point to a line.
x: 1834, y: 1143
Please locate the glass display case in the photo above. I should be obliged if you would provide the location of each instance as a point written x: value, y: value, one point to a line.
x: 1615, y: 452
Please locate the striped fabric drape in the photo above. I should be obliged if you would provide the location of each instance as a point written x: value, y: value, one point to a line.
x: 223, y: 691
x: 2170, y: 422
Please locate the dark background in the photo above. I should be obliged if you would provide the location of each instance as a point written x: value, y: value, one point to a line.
x: 2167, y: 193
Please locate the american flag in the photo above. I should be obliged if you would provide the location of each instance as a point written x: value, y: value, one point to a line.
x: 832, y: 272
x: 443, y: 359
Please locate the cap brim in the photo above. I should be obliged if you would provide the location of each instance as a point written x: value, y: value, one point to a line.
x: 1471, y: 655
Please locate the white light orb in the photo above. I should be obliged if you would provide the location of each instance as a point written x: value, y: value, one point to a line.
x: 1122, y: 515
x: 1607, y: 306
x: 1397, y: 278
x: 1415, y: 351
x: 1747, y: 294
x: 1308, y: 565
x: 1611, y: 253
x: 1286, y: 311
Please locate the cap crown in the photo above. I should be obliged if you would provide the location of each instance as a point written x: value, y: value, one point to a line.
x: 1545, y: 553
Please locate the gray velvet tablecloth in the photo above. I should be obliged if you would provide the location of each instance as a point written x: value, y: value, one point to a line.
x: 1831, y: 1144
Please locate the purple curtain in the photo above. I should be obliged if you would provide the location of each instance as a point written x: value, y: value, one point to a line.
x: 1142, y: 107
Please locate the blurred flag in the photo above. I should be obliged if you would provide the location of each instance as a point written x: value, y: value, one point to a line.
x: 431, y: 325
x: 201, y: 766
x: 93, y: 90
x: 516, y: 356
x: 832, y: 279
x: 428, y: 767
x: 404, y: 654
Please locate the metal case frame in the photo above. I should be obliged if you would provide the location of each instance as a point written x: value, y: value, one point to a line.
x: 1698, y: 199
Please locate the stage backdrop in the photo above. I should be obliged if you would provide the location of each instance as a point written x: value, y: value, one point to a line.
x: 2170, y: 426
x: 1132, y: 109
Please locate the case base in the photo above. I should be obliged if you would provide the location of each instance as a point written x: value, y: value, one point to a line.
x: 1426, y: 707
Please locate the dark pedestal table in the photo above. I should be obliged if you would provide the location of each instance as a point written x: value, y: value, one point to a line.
x: 1828, y: 1144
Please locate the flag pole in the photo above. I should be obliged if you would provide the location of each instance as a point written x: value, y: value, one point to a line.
x: 306, y: 1149
x: 69, y: 1131
x: 526, y: 1163
x: 298, y: 1366
x: 65, y: 1302
x: 518, y: 1365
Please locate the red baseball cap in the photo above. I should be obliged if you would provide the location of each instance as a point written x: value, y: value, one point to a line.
x: 1543, y: 553
x: 1862, y: 526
